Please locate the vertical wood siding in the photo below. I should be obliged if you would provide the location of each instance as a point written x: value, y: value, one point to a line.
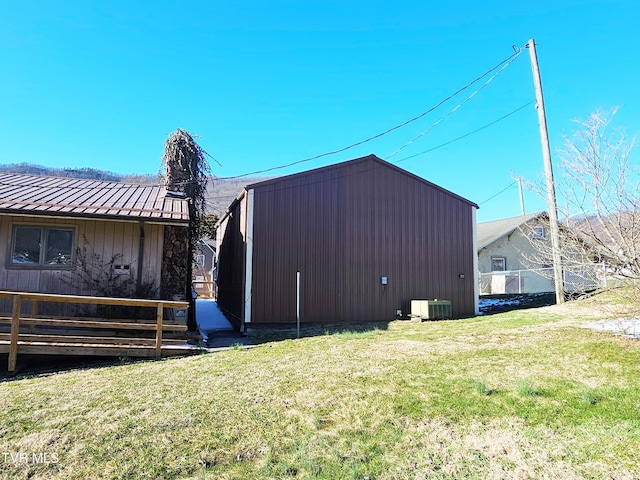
x: 343, y: 228
x: 103, y: 238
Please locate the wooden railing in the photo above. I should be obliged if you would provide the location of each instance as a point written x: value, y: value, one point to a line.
x: 106, y: 336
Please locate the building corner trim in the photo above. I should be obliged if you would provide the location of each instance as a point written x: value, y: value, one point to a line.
x: 476, y: 276
x: 248, y: 274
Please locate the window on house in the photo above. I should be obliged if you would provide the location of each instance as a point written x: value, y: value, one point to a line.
x: 41, y: 246
x: 498, y: 264
x: 200, y: 260
x: 537, y: 232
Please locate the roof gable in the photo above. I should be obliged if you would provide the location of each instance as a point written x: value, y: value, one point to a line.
x: 489, y: 232
x: 71, y: 197
x: 367, y: 159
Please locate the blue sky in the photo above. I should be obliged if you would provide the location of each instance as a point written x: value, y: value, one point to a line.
x: 267, y: 83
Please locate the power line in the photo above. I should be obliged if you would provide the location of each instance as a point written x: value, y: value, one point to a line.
x: 501, y: 65
x: 417, y: 154
x: 501, y: 191
x: 454, y: 109
x: 107, y: 185
x: 507, y: 61
x: 468, y: 134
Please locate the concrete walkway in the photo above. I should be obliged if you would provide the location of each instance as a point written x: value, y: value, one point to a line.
x: 214, y: 327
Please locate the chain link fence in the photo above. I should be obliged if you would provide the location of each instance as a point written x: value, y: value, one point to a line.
x: 577, y: 279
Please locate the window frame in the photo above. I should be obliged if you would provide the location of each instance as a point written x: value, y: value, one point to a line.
x: 538, y: 232
x: 44, y: 232
x: 504, y: 263
x: 198, y: 257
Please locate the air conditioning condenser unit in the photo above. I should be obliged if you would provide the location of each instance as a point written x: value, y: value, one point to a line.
x: 431, y: 309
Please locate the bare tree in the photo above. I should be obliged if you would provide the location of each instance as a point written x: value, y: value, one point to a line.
x: 599, y: 200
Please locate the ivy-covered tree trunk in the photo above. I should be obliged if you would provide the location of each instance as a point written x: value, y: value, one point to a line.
x: 187, y: 171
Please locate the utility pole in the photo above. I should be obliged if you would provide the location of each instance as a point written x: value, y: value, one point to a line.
x: 548, y: 173
x: 521, y: 195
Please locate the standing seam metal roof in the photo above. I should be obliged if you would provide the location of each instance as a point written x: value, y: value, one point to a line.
x: 56, y: 196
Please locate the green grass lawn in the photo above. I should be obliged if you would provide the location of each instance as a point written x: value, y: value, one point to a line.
x: 526, y: 394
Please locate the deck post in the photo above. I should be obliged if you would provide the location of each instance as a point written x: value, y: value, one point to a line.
x: 159, y: 318
x: 19, y: 338
x: 15, y: 330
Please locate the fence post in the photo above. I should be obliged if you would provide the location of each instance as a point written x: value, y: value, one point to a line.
x: 519, y: 281
x: 15, y: 331
x: 159, y: 318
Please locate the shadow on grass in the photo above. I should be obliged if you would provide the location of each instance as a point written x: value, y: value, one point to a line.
x: 41, y: 365
x: 30, y: 366
x: 267, y: 334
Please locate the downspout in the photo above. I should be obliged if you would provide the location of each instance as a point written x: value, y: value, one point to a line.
x: 248, y: 273
x: 140, y: 258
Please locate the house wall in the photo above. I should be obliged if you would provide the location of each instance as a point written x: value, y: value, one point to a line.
x: 209, y: 260
x: 347, y: 226
x: 203, y: 275
x: 230, y: 251
x: 100, y: 237
x: 515, y: 248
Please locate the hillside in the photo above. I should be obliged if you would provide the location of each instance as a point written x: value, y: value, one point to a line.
x: 86, y: 173
x: 220, y: 193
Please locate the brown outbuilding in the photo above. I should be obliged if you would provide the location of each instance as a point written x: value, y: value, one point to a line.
x: 365, y: 236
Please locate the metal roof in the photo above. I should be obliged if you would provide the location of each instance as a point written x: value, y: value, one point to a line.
x: 489, y: 232
x: 72, y: 197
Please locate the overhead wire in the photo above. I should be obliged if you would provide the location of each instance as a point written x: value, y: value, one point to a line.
x: 468, y: 134
x: 507, y: 61
x: 501, y: 66
x: 407, y: 158
x: 116, y: 185
x: 454, y: 109
x: 500, y: 192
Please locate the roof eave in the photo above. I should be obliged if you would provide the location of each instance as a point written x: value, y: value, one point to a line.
x: 129, y: 218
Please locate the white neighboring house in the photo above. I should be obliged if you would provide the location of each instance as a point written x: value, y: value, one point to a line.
x: 503, y: 248
x: 507, y: 247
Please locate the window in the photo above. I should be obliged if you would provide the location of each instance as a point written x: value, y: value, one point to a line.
x: 498, y: 264
x: 537, y: 232
x: 200, y: 260
x: 41, y: 246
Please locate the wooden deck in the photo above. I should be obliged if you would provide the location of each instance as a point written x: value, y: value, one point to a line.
x: 31, y: 333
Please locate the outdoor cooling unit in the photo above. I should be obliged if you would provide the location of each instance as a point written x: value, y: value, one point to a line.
x: 431, y: 309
